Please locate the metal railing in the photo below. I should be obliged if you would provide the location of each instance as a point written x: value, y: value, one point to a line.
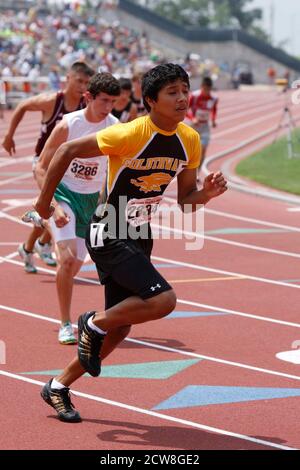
x: 15, y: 89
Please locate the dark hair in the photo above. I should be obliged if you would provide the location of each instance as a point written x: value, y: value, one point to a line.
x: 103, y: 82
x: 82, y: 67
x: 207, y: 81
x: 125, y: 83
x: 155, y: 79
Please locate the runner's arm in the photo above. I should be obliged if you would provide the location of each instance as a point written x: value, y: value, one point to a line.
x: 85, y: 147
x: 57, y: 137
x: 214, y: 113
x: 214, y: 185
x: 43, y: 103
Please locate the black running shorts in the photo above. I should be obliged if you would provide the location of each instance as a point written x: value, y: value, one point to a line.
x: 125, y: 268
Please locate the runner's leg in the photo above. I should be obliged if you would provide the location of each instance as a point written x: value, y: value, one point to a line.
x: 113, y: 295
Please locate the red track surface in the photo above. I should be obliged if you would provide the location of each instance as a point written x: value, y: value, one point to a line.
x: 256, y: 277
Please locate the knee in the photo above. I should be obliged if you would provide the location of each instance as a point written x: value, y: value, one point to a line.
x: 68, y: 263
x: 164, y: 304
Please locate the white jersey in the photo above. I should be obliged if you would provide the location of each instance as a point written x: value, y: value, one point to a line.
x: 85, y: 176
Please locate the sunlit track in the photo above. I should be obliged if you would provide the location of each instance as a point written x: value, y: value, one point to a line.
x: 10, y: 259
x: 238, y: 322
x: 160, y: 416
x: 164, y: 348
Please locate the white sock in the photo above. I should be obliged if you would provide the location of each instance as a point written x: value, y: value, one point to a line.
x: 57, y: 385
x: 94, y: 327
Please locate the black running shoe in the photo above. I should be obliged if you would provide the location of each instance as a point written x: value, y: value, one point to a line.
x: 89, y: 345
x: 60, y: 400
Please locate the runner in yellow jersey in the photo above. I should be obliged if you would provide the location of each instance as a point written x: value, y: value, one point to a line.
x: 143, y: 158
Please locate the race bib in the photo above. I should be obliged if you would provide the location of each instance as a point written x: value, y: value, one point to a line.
x: 202, y: 114
x: 96, y: 235
x: 140, y: 211
x: 85, y: 171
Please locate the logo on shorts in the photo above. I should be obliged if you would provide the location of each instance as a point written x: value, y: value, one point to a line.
x: 153, y: 288
x: 153, y: 182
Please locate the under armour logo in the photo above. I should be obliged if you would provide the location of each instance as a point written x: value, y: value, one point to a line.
x: 158, y: 286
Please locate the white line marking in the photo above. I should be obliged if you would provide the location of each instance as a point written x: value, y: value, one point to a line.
x: 8, y: 258
x: 229, y: 273
x: 233, y: 116
x: 244, y: 219
x: 16, y: 178
x: 14, y: 219
x: 15, y: 161
x: 49, y: 271
x: 225, y: 241
x: 248, y: 123
x: 236, y: 312
x: 154, y: 414
x: 194, y: 234
x: 16, y: 203
x: 187, y: 302
x: 166, y: 348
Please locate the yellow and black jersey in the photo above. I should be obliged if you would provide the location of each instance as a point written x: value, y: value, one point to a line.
x: 143, y: 160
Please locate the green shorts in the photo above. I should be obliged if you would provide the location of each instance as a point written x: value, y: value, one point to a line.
x: 83, y: 206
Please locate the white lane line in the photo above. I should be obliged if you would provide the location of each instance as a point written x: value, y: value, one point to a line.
x: 3, y: 215
x: 165, y: 348
x: 194, y: 234
x: 155, y: 414
x: 16, y: 178
x: 225, y: 241
x: 290, y: 228
x: 8, y: 258
x: 229, y: 273
x: 16, y: 203
x: 29, y: 145
x: 229, y: 215
x: 187, y: 302
x: 252, y: 247
x: 233, y: 116
x: 247, y: 124
x: 46, y: 270
x: 240, y: 314
x: 15, y: 160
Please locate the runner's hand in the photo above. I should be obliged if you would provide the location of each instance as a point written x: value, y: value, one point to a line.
x: 9, y: 145
x: 215, y: 184
x: 60, y: 217
x: 44, y: 211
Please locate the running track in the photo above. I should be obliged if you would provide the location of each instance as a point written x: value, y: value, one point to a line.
x: 204, y: 378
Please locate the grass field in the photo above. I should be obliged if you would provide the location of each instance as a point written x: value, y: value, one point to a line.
x: 272, y: 167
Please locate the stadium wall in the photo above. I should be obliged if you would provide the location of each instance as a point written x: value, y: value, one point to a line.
x: 231, y: 46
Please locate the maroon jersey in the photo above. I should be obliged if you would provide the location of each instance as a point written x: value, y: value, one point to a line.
x: 57, y: 115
